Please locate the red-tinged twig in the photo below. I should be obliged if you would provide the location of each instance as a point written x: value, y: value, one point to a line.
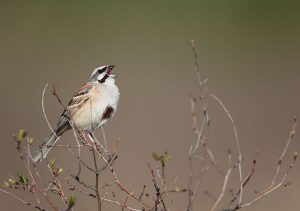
x: 22, y: 201
x: 67, y: 146
x: 144, y: 188
x: 159, y: 198
x: 246, y: 180
x: 118, y: 182
x: 123, y: 206
x: 82, y: 182
x: 54, y: 93
x: 34, y: 187
x: 73, y: 188
x: 119, y: 203
x: 27, y: 166
x: 56, y: 183
x: 80, y: 160
x: 61, y: 193
x: 162, y: 178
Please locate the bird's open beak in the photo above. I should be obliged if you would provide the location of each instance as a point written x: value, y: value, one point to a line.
x: 109, y: 71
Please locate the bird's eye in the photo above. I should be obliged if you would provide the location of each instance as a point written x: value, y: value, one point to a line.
x: 101, y: 70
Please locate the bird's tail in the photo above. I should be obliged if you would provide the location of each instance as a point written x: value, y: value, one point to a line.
x: 45, y: 147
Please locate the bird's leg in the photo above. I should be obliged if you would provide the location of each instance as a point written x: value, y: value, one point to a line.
x: 82, y: 137
x: 95, y: 140
x: 92, y: 137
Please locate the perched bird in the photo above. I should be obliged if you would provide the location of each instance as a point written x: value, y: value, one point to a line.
x: 89, y: 108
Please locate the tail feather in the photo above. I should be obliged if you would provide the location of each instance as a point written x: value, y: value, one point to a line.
x: 45, y: 147
x: 62, y: 126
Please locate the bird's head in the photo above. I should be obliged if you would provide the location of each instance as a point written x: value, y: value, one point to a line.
x: 103, y: 74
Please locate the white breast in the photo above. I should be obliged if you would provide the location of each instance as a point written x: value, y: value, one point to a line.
x: 89, y: 116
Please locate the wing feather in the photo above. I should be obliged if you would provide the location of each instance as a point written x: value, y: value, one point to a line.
x: 80, y: 98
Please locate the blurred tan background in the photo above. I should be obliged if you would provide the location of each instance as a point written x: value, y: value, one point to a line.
x: 249, y: 51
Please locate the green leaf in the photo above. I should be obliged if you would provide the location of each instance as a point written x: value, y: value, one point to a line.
x: 156, y: 156
x: 177, y: 189
x: 59, y: 171
x: 21, y: 135
x: 23, y: 179
x: 166, y: 157
x: 12, y: 181
x: 72, y: 200
x: 30, y: 141
x: 52, y: 163
x: 162, y: 158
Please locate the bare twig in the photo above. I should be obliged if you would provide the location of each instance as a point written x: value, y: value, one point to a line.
x: 269, y: 189
x: 119, y: 203
x: 273, y: 186
x: 43, y: 108
x: 214, y: 207
x: 247, y: 179
x: 159, y: 198
x: 97, y: 181
x: 54, y: 93
x: 200, y: 138
x: 21, y: 200
x: 237, y: 144
x: 118, y: 182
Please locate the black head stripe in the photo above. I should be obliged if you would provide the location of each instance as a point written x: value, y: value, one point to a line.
x: 103, y: 79
x: 100, y: 71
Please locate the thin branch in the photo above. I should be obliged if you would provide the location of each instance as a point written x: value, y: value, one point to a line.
x: 237, y: 144
x: 121, y: 186
x: 247, y: 179
x: 43, y: 108
x: 120, y: 204
x: 290, y: 138
x: 214, y: 207
x: 97, y: 181
x: 159, y: 198
x: 80, y: 160
x: 272, y: 187
x: 54, y: 93
x: 197, y: 63
x: 21, y: 200
x: 223, y: 190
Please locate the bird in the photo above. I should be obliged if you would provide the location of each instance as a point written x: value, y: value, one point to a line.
x: 89, y: 108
